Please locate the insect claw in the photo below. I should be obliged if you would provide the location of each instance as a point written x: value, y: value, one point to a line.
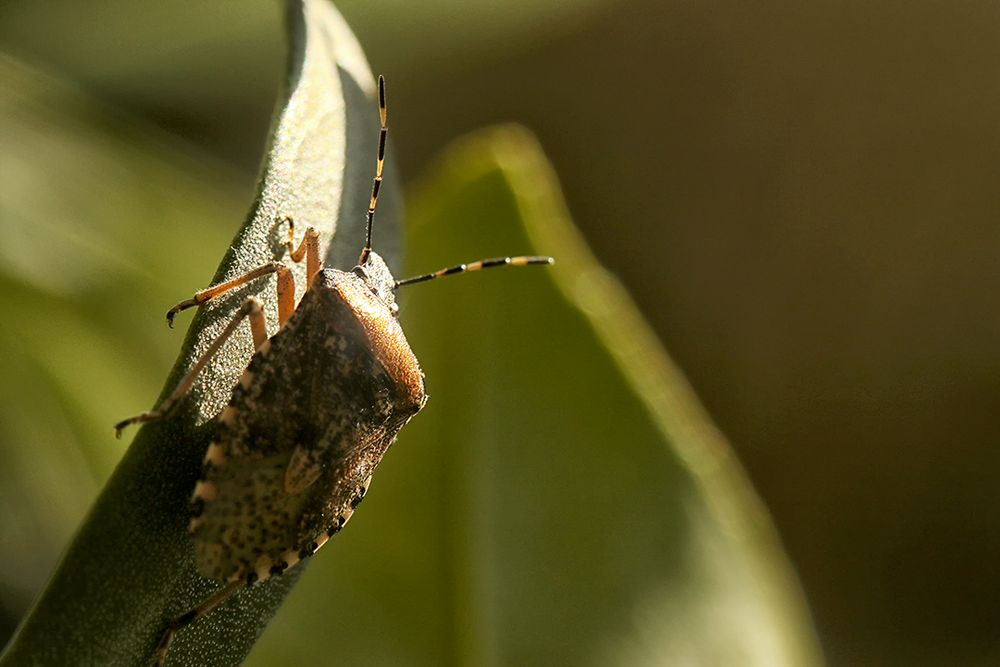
x: 120, y: 426
x: 172, y: 313
x: 123, y: 424
x: 183, y: 305
x: 145, y: 417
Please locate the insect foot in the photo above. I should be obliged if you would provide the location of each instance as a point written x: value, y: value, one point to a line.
x: 311, y: 417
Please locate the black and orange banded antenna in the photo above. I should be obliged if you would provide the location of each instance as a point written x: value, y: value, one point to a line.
x: 379, y: 163
x: 521, y: 260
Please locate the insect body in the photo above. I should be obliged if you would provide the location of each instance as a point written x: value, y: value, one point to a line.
x: 308, y: 422
x: 310, y: 418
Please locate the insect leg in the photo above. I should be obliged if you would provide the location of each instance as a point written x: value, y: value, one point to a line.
x: 252, y: 309
x: 193, y: 615
x: 286, y: 296
x: 217, y: 290
x: 309, y: 248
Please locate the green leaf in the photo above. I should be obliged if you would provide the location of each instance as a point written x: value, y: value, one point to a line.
x: 563, y: 498
x: 130, y: 569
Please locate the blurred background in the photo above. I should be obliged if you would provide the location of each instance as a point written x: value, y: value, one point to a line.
x: 800, y: 197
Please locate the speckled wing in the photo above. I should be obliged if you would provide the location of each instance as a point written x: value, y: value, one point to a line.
x: 307, y: 423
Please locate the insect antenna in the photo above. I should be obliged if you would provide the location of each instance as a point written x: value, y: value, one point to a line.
x: 521, y: 260
x: 377, y: 183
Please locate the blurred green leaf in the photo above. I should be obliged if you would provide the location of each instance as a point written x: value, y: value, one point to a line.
x: 90, y: 40
x: 189, y: 65
x: 97, y: 220
x: 563, y: 498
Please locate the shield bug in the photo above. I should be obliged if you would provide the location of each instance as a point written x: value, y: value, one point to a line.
x: 311, y: 416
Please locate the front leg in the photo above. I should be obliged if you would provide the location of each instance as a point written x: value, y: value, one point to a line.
x: 286, y: 296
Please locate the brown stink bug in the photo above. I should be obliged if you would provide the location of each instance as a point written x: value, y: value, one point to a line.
x: 311, y: 417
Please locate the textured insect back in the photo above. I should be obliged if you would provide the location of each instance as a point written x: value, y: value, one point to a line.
x: 310, y: 420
